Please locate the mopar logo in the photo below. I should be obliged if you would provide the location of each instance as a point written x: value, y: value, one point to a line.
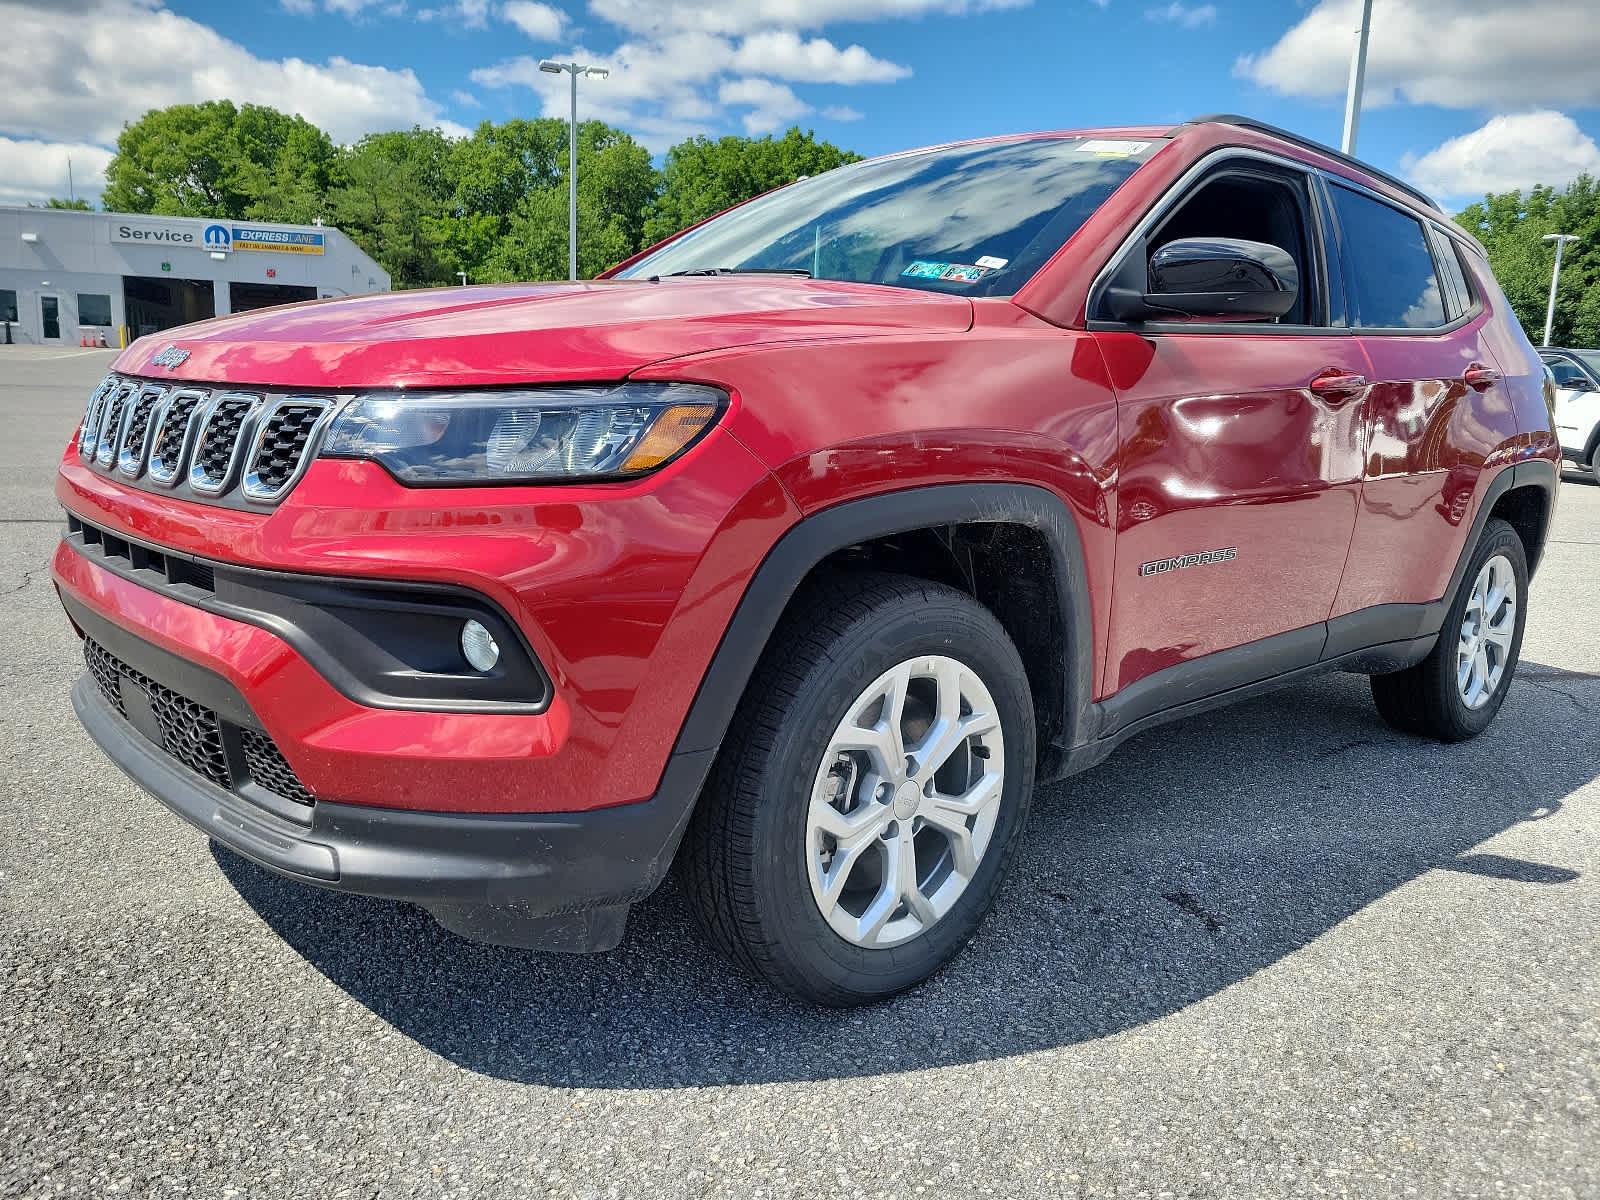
x: 172, y: 356
x: 217, y: 237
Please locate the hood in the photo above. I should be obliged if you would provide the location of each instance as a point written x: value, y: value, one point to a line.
x: 546, y: 332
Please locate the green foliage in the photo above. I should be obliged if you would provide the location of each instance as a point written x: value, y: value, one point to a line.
x: 492, y: 204
x: 215, y: 160
x: 703, y: 177
x: 75, y: 204
x: 1512, y: 225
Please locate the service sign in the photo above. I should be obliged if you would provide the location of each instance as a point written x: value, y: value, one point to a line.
x: 169, y: 233
x: 284, y: 241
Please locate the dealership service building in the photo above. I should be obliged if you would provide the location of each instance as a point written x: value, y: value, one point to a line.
x: 68, y: 276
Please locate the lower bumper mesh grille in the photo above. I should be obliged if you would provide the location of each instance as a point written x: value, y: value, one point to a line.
x: 228, y: 755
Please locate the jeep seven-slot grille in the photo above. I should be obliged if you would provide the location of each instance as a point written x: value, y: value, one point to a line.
x: 195, y: 735
x: 211, y: 444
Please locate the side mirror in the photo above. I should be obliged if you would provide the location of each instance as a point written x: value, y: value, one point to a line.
x: 1228, y: 278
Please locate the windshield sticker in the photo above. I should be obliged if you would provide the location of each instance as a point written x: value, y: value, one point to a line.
x: 989, y: 260
x: 1109, y: 148
x: 950, y: 272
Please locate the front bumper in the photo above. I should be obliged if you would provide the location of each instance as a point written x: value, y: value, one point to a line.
x: 551, y: 881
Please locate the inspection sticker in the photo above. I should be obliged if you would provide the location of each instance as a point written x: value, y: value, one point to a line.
x: 989, y: 260
x: 1111, y: 148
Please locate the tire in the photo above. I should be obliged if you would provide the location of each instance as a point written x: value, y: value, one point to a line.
x: 1429, y: 699
x: 757, y: 865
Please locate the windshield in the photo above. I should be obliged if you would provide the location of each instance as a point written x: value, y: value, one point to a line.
x: 973, y: 220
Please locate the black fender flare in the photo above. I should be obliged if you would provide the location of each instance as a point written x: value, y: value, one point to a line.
x: 813, y: 538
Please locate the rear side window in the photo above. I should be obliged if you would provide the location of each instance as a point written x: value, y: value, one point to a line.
x: 1457, y: 293
x: 1392, y: 280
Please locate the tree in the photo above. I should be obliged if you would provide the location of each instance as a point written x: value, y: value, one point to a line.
x: 215, y: 160
x: 702, y: 177
x: 1512, y: 225
x: 75, y: 205
x: 392, y: 199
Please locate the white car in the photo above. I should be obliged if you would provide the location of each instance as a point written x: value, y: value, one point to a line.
x: 1577, y: 375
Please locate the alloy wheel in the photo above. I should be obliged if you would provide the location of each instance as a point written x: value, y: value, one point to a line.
x: 1487, y: 628
x: 904, y: 802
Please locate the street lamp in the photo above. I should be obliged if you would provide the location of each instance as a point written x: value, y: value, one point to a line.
x: 1561, y: 240
x: 551, y: 67
x: 1358, y: 79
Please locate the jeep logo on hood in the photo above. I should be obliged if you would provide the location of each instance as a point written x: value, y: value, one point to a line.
x: 172, y: 356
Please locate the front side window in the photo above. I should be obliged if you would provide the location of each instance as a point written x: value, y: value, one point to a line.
x: 1569, y: 375
x: 1393, y: 283
x: 93, y: 309
x: 971, y: 220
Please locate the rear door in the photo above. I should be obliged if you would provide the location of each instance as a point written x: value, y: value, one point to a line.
x: 1436, y: 414
x: 1240, y: 452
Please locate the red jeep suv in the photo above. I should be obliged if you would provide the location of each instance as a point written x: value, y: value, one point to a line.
x: 798, y: 548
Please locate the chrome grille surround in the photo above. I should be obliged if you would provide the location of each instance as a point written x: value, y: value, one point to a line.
x: 278, y: 455
x: 242, y: 448
x: 89, y: 431
x: 138, y: 424
x: 174, y: 434
x: 220, y: 441
x: 105, y: 445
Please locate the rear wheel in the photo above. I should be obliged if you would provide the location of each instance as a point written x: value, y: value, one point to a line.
x: 1455, y: 692
x: 870, y: 794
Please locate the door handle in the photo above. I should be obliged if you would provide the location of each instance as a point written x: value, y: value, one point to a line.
x: 1479, y: 377
x: 1337, y: 386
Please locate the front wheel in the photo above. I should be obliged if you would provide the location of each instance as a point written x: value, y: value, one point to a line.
x: 869, y: 797
x: 1455, y: 692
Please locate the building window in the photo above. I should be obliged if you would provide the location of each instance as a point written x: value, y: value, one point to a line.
x: 93, y: 309
x: 8, y: 305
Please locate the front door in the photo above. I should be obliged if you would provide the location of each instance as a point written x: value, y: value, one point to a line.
x: 50, y: 317
x: 1241, y: 456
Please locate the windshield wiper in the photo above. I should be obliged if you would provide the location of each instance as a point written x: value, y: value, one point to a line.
x: 799, y: 271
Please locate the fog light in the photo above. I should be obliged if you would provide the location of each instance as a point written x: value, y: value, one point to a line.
x: 479, y: 646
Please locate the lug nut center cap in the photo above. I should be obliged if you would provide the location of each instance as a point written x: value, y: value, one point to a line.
x: 906, y: 798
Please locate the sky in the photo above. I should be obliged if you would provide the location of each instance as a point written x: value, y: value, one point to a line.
x: 1463, y: 96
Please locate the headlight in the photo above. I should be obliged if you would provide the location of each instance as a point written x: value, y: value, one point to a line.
x: 545, y: 435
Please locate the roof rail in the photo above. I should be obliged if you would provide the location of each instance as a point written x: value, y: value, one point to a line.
x: 1414, y: 192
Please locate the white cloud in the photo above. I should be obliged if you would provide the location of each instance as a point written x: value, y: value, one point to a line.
x: 783, y: 53
x: 32, y: 172
x: 465, y: 99
x: 1186, y: 15
x: 79, y: 74
x: 462, y: 14
x: 1508, y: 153
x: 1453, y: 53
x: 745, y: 16
x: 772, y: 105
x: 842, y: 112
x: 538, y: 21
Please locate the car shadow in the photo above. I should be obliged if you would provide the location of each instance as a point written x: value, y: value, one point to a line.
x: 1197, y: 856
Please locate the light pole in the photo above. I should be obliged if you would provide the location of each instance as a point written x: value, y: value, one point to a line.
x: 463, y: 275
x: 1561, y: 240
x: 1358, y: 78
x: 551, y: 67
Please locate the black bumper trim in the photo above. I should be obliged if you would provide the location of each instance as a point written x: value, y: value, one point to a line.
x: 535, y: 864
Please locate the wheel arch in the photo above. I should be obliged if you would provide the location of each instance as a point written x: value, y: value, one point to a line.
x: 956, y: 533
x: 1524, y: 497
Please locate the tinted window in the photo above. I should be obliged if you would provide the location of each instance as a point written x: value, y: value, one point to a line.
x: 1392, y: 283
x: 1458, y: 295
x: 8, y: 305
x: 1568, y: 375
x: 93, y: 309
x: 974, y: 220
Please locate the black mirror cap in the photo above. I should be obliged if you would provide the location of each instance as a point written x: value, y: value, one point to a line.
x: 1222, y: 277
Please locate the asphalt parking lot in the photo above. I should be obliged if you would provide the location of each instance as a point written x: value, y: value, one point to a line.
x: 1275, y: 951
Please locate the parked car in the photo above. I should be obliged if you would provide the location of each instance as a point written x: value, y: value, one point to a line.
x: 1577, y: 404
x: 801, y: 547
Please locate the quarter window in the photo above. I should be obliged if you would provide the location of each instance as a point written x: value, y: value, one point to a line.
x: 93, y: 309
x: 1392, y: 280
